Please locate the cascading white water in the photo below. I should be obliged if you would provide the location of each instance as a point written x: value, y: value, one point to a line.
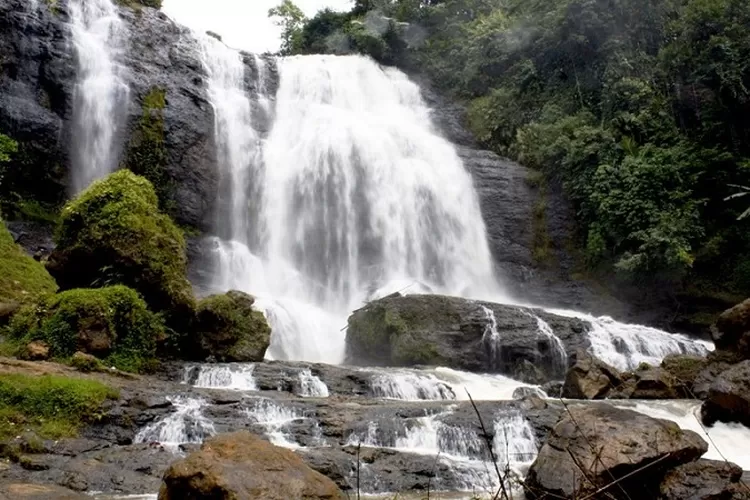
x: 410, y: 386
x: 274, y: 418
x: 357, y: 190
x: 238, y: 377
x: 625, y: 346
x: 491, y: 337
x: 101, y: 95
x: 311, y: 386
x: 186, y: 424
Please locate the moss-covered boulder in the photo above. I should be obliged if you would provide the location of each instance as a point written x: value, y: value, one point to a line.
x: 463, y: 334
x: 112, y: 323
x: 228, y: 328
x: 114, y: 233
x: 22, y: 279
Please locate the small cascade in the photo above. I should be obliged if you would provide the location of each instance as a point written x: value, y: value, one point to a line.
x: 263, y: 87
x: 410, y: 386
x: 625, y: 346
x: 560, y: 355
x: 491, y: 338
x: 311, y: 386
x: 101, y: 96
x: 186, y: 424
x: 514, y: 441
x: 275, y: 419
x: 238, y: 377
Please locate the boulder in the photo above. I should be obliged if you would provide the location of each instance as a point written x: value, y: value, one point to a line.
x: 651, y: 383
x: 112, y: 323
x: 703, y: 480
x: 240, y: 465
x: 230, y: 329
x: 706, y: 377
x: 729, y: 396
x: 463, y: 334
x: 25, y: 491
x: 22, y: 279
x: 7, y: 310
x: 590, y: 378
x: 114, y: 233
x: 732, y: 329
x: 38, y: 350
x: 593, y: 445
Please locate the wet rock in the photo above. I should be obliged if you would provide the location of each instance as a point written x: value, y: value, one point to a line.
x: 686, y: 369
x: 22, y: 491
x: 590, y: 378
x: 729, y: 396
x: 703, y: 480
x: 553, y: 388
x: 462, y: 334
x: 732, y: 330
x: 604, y: 444
x: 650, y: 383
x: 706, y: 377
x: 37, y: 350
x: 239, y: 465
x: 524, y: 392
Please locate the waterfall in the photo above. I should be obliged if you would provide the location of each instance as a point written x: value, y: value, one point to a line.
x: 186, y: 424
x: 491, y: 338
x: 311, y: 386
x: 101, y: 95
x: 410, y: 386
x: 237, y: 377
x: 353, y: 191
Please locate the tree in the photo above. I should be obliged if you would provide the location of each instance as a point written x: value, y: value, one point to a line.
x: 290, y: 19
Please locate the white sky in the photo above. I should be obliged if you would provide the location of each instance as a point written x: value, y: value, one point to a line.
x: 243, y: 24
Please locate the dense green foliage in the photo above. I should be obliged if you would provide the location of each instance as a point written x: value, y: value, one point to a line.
x: 230, y: 329
x: 114, y: 233
x: 638, y: 108
x: 53, y: 406
x: 21, y: 277
x: 147, y: 153
x: 112, y: 323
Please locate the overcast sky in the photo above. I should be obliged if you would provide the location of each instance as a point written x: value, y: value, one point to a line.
x: 243, y: 24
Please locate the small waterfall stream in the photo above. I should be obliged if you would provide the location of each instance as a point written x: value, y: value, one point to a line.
x: 101, y: 94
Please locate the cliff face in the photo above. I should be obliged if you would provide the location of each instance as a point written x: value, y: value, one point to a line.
x: 38, y: 84
x: 37, y: 91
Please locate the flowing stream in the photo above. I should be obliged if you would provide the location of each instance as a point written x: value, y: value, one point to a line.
x: 99, y: 37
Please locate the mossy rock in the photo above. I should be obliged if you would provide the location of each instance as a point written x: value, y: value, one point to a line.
x: 394, y: 332
x: 114, y: 233
x: 112, y: 323
x: 228, y: 328
x: 22, y: 279
x: 684, y: 368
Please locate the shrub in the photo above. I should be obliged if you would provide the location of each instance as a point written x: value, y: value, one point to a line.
x: 112, y: 323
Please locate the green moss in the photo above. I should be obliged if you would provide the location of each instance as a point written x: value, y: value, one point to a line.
x: 230, y: 329
x: 21, y: 277
x: 86, y: 363
x: 147, y: 153
x: 52, y: 406
x: 112, y: 323
x: 683, y: 367
x: 114, y: 233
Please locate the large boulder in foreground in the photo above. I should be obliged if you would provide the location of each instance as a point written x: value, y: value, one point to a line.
x: 605, y: 444
x: 729, y: 396
x: 230, y: 329
x: 114, y: 233
x: 463, y: 334
x: 111, y: 323
x: 590, y: 378
x: 241, y: 466
x: 21, y: 277
x: 704, y: 480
